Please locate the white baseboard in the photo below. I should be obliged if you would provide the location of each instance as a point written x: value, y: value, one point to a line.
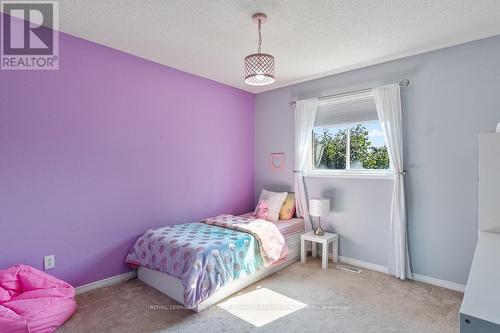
x: 106, y: 282
x: 363, y: 264
x: 438, y: 282
x: 417, y: 277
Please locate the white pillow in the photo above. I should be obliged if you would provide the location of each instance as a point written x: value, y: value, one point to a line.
x: 275, y: 202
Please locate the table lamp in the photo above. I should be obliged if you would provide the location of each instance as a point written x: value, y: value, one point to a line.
x: 319, y: 207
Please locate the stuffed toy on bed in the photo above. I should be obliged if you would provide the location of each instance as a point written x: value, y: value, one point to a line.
x: 262, y: 211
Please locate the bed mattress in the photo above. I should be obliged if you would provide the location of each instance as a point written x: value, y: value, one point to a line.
x: 290, y: 227
x: 287, y: 227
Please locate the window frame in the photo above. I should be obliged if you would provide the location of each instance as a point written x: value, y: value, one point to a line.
x: 311, y: 171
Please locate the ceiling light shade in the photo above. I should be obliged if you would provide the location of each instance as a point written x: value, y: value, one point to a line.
x: 259, y: 67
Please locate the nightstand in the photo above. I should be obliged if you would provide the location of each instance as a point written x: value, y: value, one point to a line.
x: 325, y: 240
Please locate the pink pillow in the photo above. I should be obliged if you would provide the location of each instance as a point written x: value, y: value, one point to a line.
x: 262, y: 210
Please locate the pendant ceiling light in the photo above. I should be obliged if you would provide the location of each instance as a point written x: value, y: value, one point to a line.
x: 259, y: 67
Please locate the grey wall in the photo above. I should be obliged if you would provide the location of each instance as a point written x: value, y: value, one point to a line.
x: 454, y: 95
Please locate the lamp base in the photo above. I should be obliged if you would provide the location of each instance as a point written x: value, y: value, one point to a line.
x: 319, y: 231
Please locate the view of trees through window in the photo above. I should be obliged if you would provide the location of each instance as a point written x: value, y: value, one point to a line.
x: 365, y: 143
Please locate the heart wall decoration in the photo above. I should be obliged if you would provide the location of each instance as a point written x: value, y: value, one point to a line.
x: 277, y: 161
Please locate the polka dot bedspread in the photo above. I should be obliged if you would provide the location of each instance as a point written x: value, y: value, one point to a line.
x: 205, y: 257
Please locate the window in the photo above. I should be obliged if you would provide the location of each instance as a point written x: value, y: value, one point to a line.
x: 348, y: 139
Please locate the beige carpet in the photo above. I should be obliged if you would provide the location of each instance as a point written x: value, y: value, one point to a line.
x: 337, y: 301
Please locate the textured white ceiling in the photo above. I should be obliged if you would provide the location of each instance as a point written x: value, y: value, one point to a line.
x: 309, y: 38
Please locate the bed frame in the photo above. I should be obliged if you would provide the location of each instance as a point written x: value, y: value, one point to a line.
x: 172, y: 286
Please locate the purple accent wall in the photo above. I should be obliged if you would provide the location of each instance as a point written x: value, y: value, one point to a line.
x: 109, y: 145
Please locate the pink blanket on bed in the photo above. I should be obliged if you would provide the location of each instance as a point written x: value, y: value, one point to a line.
x: 271, y: 242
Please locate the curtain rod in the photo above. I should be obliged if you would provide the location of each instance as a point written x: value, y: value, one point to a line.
x: 403, y: 83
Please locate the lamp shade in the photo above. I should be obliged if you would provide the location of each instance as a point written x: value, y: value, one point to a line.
x: 319, y: 206
x: 259, y: 69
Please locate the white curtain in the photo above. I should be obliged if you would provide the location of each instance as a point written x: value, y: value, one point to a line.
x: 305, y: 114
x: 388, y: 102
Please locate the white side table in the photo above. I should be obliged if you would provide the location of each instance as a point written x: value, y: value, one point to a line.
x: 325, y: 240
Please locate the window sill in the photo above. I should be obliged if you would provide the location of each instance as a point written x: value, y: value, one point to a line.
x: 351, y: 174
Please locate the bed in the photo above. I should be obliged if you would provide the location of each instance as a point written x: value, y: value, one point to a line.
x: 199, y: 264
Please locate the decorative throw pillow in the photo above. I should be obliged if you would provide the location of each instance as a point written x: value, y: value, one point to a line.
x: 262, y: 210
x: 288, y: 208
x: 275, y: 202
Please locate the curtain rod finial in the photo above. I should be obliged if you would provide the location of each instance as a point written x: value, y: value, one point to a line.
x: 404, y: 83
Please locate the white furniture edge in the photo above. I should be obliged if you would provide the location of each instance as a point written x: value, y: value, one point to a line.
x: 106, y: 282
x: 172, y: 286
x: 482, y: 295
x: 489, y: 183
x: 480, y: 306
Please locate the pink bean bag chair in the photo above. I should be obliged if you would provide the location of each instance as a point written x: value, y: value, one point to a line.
x: 32, y: 301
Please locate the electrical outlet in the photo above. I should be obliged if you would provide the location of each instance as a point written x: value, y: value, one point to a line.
x: 49, y: 262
